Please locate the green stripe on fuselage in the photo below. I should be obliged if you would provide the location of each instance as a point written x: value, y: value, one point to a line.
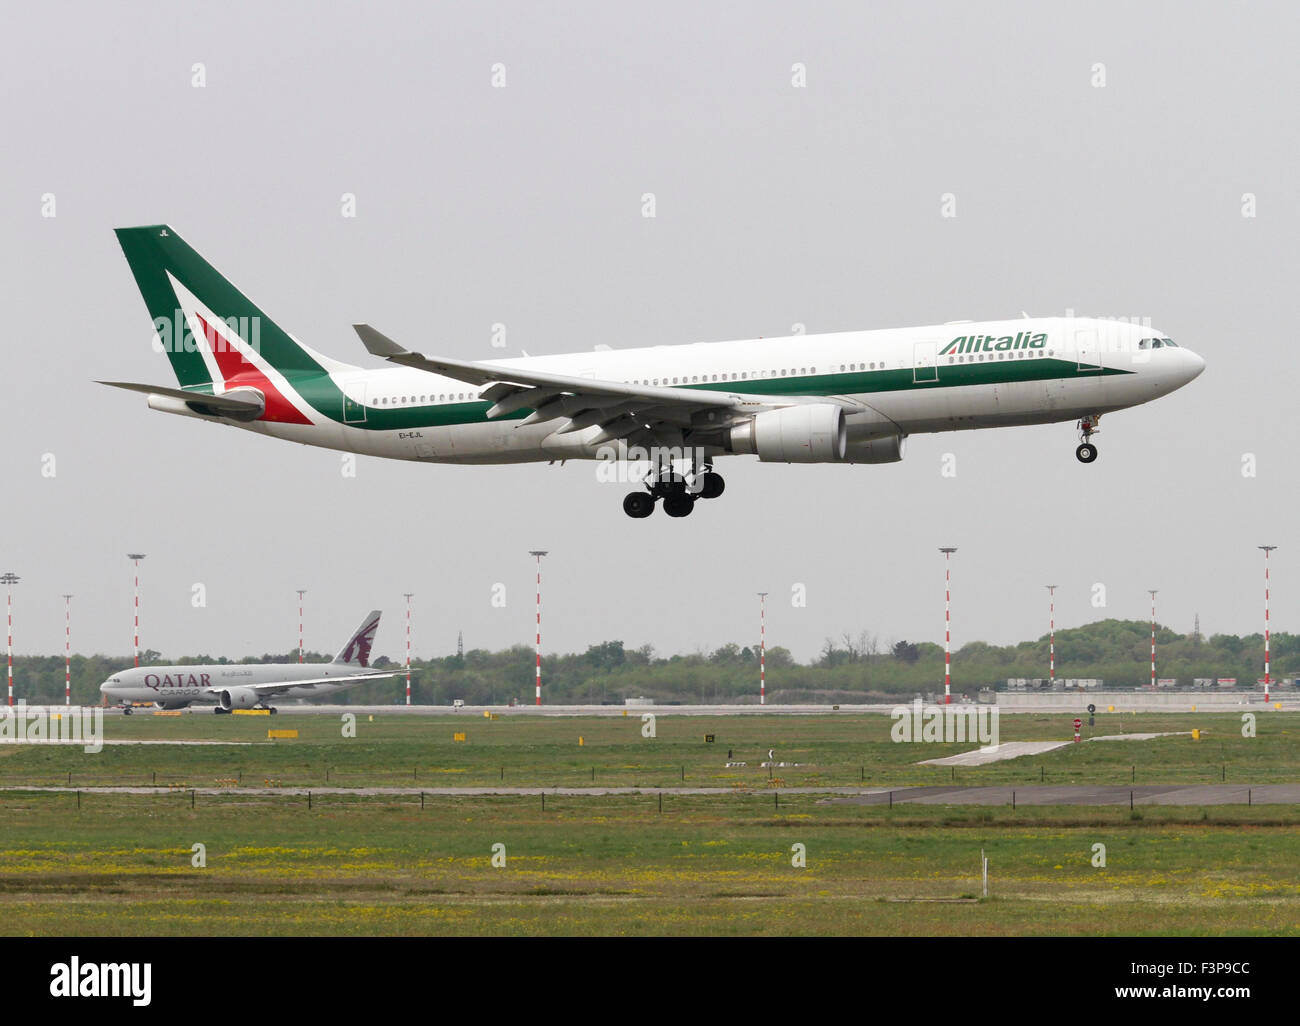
x: 322, y: 393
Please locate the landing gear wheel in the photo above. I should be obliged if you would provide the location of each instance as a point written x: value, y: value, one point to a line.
x: 712, y: 486
x: 638, y: 504
x: 126, y: 712
x: 218, y: 711
x: 1086, y: 453
x: 274, y: 710
x: 679, y: 504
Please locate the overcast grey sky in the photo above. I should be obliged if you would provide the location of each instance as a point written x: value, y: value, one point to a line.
x: 522, y: 205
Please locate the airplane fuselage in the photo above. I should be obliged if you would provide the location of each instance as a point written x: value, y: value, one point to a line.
x: 892, y: 383
x: 174, y: 687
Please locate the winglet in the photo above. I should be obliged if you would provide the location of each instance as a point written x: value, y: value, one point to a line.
x: 376, y: 343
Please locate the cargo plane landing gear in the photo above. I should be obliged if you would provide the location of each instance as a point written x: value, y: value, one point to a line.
x: 678, y: 497
x: 1087, y: 452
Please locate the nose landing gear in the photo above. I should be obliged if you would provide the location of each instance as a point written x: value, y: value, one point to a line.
x: 1087, y: 452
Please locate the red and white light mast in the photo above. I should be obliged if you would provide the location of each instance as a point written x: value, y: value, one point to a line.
x: 408, y: 595
x: 1267, y: 549
x: 1051, y: 642
x: 762, y: 648
x: 301, y: 593
x: 1153, y: 637
x: 947, y: 622
x: 9, y: 580
x: 539, y: 554
x: 135, y: 557
x: 67, y: 649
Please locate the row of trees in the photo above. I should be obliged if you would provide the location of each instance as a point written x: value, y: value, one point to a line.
x: 850, y: 668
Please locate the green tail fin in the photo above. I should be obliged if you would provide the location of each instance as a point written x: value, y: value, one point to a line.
x: 180, y: 287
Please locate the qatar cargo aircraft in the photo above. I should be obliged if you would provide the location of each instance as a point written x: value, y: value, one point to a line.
x: 848, y: 397
x: 247, y: 685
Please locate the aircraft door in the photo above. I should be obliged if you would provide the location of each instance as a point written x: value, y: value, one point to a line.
x: 354, y: 410
x: 925, y: 363
x: 1087, y: 348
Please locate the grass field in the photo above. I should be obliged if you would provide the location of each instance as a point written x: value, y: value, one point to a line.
x: 120, y: 864
x: 527, y: 750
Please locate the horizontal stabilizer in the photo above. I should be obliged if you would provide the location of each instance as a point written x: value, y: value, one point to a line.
x: 243, y: 403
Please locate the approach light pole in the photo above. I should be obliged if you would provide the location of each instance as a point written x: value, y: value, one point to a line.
x: 408, y: 595
x: 9, y: 579
x: 135, y: 557
x: 301, y: 593
x: 1153, y: 637
x: 1267, y: 549
x: 67, y: 649
x: 538, y: 554
x: 947, y: 551
x: 1051, y: 637
x: 762, y: 648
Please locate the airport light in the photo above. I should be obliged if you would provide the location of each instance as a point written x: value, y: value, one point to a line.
x: 947, y: 551
x: 1153, y: 638
x: 301, y: 593
x: 539, y: 554
x: 762, y: 648
x: 408, y: 595
x: 1051, y: 637
x: 67, y: 649
x: 135, y: 557
x: 1267, y: 549
x: 9, y: 580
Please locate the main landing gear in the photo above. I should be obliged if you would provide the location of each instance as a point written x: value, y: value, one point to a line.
x: 679, y: 493
x: 1087, y: 452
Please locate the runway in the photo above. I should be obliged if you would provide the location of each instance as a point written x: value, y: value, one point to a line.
x: 1034, y: 794
x: 1016, y: 704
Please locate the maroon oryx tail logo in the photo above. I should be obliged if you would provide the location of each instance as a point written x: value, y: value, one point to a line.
x: 357, y: 650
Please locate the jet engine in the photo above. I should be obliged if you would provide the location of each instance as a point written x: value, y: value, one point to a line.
x: 889, y: 449
x: 239, y: 698
x: 811, y: 433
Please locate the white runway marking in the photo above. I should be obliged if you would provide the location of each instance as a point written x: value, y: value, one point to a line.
x: 995, y: 753
x: 1015, y: 749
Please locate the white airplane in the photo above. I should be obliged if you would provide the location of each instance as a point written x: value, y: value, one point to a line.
x: 849, y: 397
x: 247, y: 685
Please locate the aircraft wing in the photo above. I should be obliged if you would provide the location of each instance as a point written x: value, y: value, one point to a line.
x: 620, y: 410
x: 275, y: 688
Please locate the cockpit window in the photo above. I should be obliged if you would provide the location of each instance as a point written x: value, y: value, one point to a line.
x: 1156, y: 343
x: 1169, y: 342
x: 1145, y: 343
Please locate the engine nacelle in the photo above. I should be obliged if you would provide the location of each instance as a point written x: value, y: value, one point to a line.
x: 812, y: 433
x: 877, y: 450
x: 239, y: 698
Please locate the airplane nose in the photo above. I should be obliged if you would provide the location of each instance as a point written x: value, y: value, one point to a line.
x: 1195, y: 363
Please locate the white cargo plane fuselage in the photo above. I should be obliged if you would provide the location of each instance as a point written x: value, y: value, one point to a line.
x: 231, y: 686
x: 848, y: 397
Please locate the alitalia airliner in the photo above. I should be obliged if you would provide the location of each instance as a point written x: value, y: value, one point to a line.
x: 847, y: 397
